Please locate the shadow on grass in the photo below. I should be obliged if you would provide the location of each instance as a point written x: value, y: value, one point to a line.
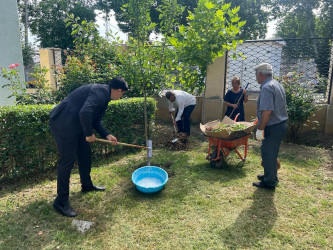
x: 9, y: 185
x: 30, y: 180
x: 254, y: 223
x: 302, y: 156
x: 34, y: 226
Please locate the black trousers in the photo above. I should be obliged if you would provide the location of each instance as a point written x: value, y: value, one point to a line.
x: 69, y: 150
x: 270, y: 150
x: 184, y: 125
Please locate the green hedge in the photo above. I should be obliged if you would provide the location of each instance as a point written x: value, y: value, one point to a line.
x: 26, y: 144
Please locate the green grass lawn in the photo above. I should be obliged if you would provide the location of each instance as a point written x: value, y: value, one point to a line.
x: 200, y: 207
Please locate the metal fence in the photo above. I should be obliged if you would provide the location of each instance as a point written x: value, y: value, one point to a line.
x: 310, y: 58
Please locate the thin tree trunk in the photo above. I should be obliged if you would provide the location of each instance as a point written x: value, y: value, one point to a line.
x: 311, y: 29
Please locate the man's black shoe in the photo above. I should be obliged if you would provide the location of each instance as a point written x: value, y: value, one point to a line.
x: 92, y: 188
x: 262, y: 184
x: 65, y: 210
x: 260, y: 177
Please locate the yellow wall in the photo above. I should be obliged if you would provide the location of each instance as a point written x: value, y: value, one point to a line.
x: 48, y: 61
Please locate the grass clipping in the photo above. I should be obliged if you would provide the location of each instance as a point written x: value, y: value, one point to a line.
x: 227, y: 129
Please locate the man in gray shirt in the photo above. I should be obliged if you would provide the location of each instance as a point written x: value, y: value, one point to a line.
x: 272, y: 125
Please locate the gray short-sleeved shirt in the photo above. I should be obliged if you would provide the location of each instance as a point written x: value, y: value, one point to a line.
x: 272, y: 97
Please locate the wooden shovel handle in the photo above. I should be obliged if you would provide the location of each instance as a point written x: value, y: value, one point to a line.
x: 121, y: 143
x: 173, y: 123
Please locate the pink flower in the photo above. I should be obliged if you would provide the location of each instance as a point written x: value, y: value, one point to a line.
x: 14, y: 65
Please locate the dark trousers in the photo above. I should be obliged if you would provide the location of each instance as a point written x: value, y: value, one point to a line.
x: 270, y: 149
x: 69, y: 149
x: 184, y: 125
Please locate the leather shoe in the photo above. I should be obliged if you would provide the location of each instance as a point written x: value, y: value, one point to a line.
x: 92, y: 188
x: 65, y: 210
x: 262, y: 184
x: 260, y: 177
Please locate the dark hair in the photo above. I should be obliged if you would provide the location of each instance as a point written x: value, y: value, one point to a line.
x: 118, y: 83
x: 168, y: 94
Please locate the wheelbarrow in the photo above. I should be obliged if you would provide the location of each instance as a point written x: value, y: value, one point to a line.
x: 225, y: 146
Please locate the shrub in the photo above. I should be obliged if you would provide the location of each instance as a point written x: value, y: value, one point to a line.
x: 74, y: 74
x: 300, y: 103
x: 42, y: 93
x: 28, y: 147
x: 322, y: 85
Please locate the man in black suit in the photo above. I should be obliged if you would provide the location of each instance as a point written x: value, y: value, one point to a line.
x: 72, y: 123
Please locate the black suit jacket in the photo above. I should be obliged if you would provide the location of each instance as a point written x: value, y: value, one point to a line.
x: 81, y: 111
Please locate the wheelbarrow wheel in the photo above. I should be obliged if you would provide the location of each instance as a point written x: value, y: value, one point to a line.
x: 218, y: 163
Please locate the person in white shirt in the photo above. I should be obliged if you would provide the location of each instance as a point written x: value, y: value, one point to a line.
x: 185, y: 105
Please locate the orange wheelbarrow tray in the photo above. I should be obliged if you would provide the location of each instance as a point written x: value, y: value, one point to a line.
x: 224, y: 146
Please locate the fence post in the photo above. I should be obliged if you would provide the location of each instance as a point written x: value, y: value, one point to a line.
x: 329, y: 113
x: 330, y: 77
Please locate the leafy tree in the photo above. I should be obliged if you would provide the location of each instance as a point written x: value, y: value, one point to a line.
x: 88, y: 43
x: 212, y: 29
x: 324, y: 22
x: 150, y: 66
x: 124, y: 20
x: 251, y: 10
x: 27, y: 53
x: 304, y: 10
x: 47, y: 21
x: 73, y: 74
x: 255, y: 15
x: 324, y: 28
x: 299, y: 20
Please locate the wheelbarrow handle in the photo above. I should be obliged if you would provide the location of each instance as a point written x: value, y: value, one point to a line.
x: 122, y: 143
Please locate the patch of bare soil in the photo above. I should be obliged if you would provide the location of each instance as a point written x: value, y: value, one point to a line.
x: 164, y: 134
x: 315, y: 139
x: 307, y: 146
x: 179, y: 141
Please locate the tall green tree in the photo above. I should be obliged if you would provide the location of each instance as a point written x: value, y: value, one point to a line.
x: 306, y: 19
x: 304, y: 10
x: 324, y: 22
x: 47, y: 20
x: 256, y: 16
x: 124, y: 20
x: 251, y: 10
x: 212, y: 29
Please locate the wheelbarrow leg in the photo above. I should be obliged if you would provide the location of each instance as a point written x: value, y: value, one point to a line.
x: 245, y: 153
x: 218, y: 149
x: 209, y: 148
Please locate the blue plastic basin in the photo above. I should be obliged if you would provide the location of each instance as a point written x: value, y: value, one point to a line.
x: 149, y: 179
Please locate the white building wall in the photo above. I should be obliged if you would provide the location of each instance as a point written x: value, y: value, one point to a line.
x: 10, y: 45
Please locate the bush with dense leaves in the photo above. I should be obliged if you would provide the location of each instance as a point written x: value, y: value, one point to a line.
x: 300, y: 103
x: 28, y: 147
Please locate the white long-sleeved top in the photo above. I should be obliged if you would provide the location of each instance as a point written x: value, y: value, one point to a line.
x: 183, y: 99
